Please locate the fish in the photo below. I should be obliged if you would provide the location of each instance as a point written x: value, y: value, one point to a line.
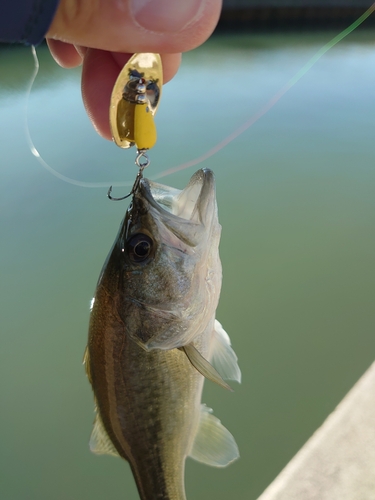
x: 153, y: 338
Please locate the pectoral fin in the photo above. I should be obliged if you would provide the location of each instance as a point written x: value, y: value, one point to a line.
x: 203, y: 366
x: 86, y: 362
x: 214, y: 444
x: 100, y: 442
x: 224, y: 358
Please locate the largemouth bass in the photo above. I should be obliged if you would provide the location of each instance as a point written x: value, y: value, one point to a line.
x: 153, y: 334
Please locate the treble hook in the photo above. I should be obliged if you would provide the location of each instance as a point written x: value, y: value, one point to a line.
x: 142, y: 165
x: 117, y: 199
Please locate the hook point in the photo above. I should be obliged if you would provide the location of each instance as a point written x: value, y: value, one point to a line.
x: 117, y: 199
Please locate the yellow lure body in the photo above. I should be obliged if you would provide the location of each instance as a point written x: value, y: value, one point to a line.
x: 144, y: 127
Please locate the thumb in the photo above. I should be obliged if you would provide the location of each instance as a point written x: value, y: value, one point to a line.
x: 135, y: 25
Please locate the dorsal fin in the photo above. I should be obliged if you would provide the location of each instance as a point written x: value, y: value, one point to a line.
x: 214, y: 444
x: 203, y: 366
x: 100, y: 442
x: 224, y: 359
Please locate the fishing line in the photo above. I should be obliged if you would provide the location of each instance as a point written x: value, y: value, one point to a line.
x: 261, y: 112
x: 219, y: 146
x: 36, y: 153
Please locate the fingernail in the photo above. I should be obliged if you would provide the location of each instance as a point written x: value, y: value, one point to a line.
x: 165, y: 15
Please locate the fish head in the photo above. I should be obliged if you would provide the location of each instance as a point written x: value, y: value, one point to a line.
x: 167, y: 260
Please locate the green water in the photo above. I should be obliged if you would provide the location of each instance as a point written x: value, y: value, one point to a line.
x: 297, y: 206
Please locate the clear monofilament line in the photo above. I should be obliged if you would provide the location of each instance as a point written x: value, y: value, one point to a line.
x: 36, y: 153
x: 274, y: 99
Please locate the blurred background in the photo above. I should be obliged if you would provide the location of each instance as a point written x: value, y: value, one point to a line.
x: 296, y: 201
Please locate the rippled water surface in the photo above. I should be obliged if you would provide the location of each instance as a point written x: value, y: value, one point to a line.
x: 297, y: 206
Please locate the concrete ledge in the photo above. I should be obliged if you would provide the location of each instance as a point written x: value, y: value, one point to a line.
x: 338, y: 461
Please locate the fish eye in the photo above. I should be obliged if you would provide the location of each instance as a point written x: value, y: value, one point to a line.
x: 139, y: 247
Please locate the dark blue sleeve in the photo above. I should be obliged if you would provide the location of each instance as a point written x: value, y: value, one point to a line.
x: 25, y: 21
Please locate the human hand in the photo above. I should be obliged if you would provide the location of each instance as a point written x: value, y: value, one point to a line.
x: 103, y: 34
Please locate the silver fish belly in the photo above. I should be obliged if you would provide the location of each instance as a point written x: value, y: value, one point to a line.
x: 153, y: 334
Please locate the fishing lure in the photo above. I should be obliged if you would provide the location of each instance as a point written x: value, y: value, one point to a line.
x: 134, y: 102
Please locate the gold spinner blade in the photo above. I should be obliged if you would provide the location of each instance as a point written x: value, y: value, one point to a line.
x: 134, y: 102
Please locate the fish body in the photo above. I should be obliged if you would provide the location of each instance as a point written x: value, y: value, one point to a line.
x: 153, y: 334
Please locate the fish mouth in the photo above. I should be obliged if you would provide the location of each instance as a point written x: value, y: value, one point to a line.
x: 193, y: 203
